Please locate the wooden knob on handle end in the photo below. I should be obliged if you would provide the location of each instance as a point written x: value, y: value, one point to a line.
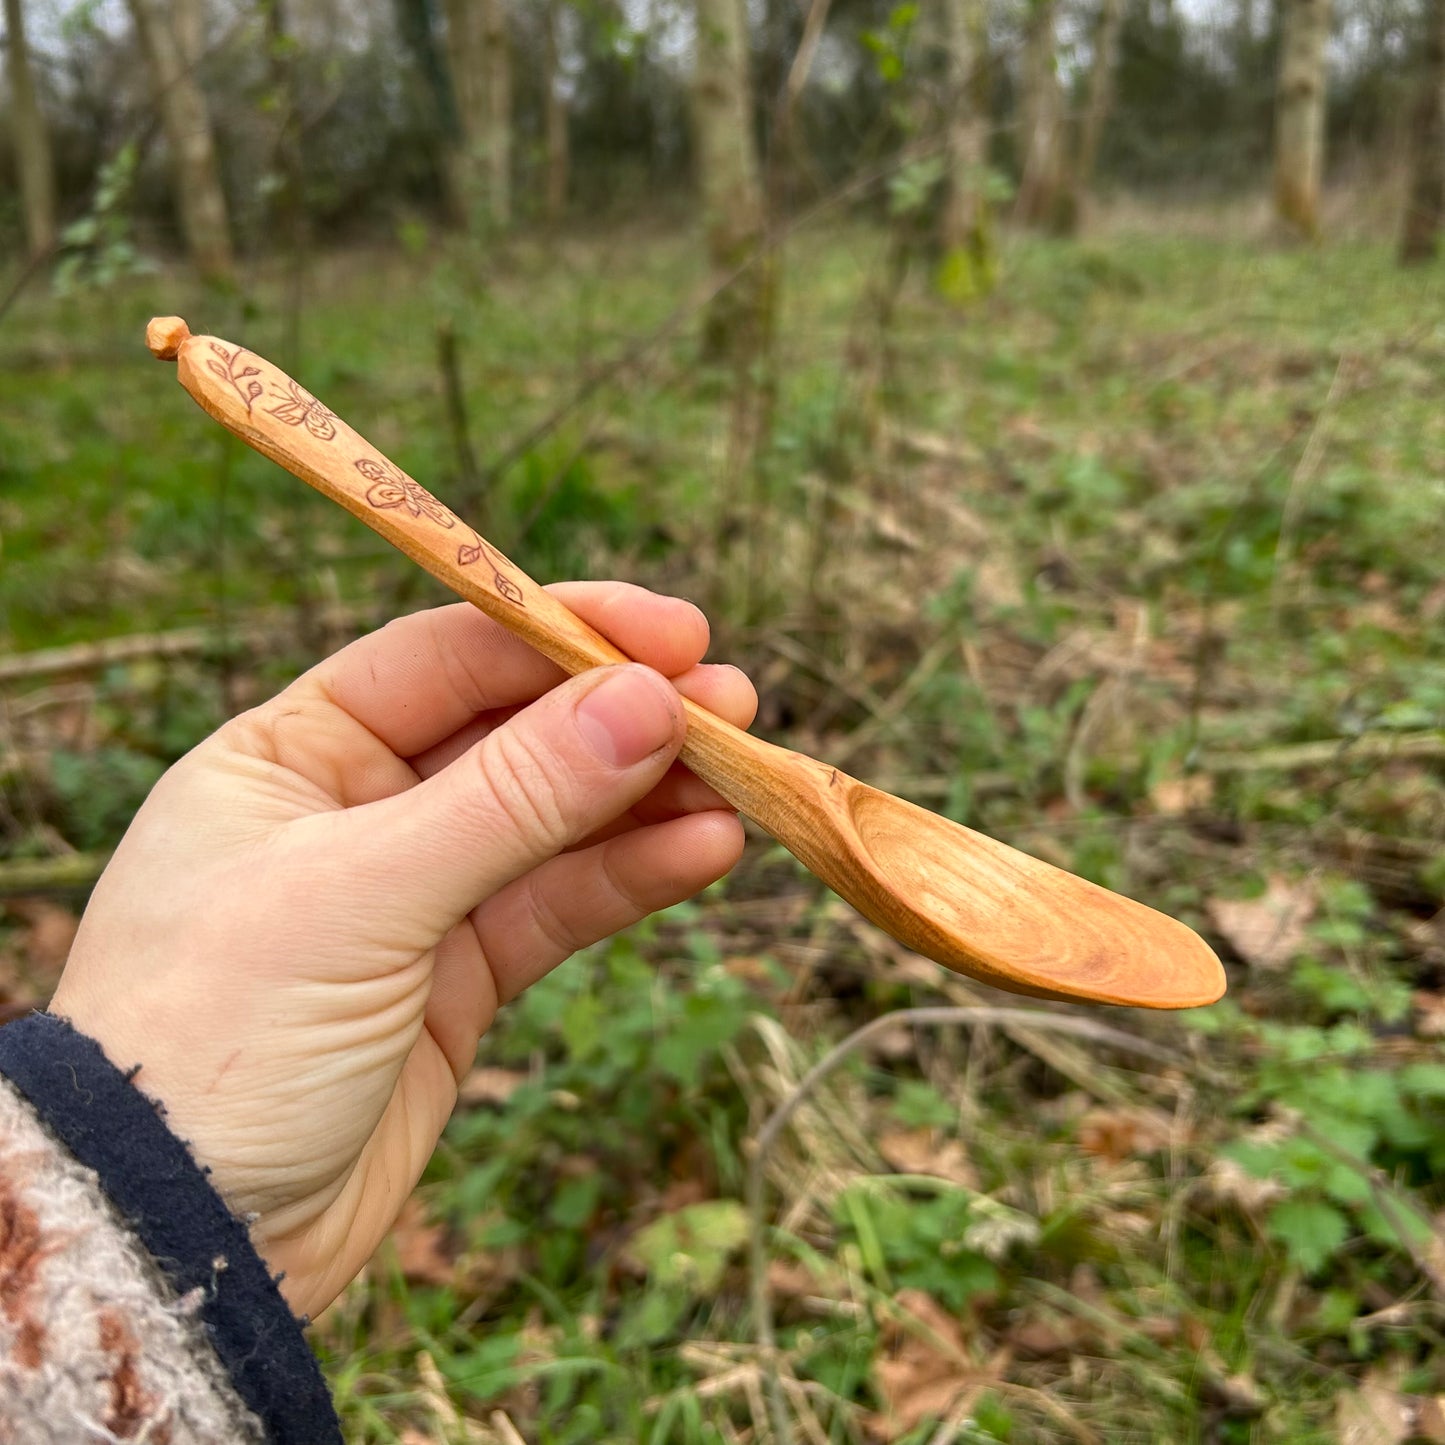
x: 164, y: 336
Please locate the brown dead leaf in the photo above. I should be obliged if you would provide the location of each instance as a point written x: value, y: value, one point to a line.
x: 793, y: 1279
x: 1430, y: 1419
x: 920, y: 1151
x: 1041, y: 1339
x: 1374, y: 1414
x: 1225, y: 1182
x: 49, y: 931
x: 484, y: 1085
x: 922, y: 1365
x: 1268, y: 931
x: 421, y: 1248
x: 1430, y: 1010
x: 1124, y: 1132
x: 1175, y: 795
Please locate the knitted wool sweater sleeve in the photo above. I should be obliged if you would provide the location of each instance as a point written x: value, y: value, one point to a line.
x: 132, y: 1305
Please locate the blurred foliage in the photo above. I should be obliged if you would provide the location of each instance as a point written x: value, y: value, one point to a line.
x: 1056, y: 596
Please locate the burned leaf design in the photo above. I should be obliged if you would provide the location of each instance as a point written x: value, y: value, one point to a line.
x: 241, y: 379
x: 505, y: 585
x: 391, y: 487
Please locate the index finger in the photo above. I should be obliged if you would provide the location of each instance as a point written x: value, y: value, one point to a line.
x: 417, y: 680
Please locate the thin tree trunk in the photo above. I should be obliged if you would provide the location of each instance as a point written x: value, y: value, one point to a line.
x: 1043, y: 120
x: 480, y: 63
x: 1299, y: 135
x: 965, y: 228
x: 784, y: 156
x: 1425, y: 206
x: 32, y: 140
x: 558, y: 150
x: 164, y: 33
x: 739, y: 320
x: 1099, y: 104
x: 498, y: 59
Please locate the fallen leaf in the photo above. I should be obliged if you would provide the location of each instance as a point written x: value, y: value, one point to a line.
x: 49, y: 932
x: 420, y: 1246
x: 1039, y: 1339
x: 1266, y: 932
x: 1430, y: 1419
x: 1225, y: 1182
x: 920, y: 1151
x: 1431, y: 1010
x: 1175, y: 795
x: 793, y: 1279
x: 922, y: 1365
x: 1375, y: 1414
x: 484, y: 1085
x: 1125, y: 1132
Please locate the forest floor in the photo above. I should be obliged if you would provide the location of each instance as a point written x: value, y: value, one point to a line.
x: 1136, y: 564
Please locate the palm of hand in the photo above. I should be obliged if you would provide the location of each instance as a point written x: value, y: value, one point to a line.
x: 318, y: 912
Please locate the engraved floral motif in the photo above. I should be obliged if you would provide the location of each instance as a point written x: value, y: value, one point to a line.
x: 479, y: 549
x: 300, y: 408
x: 391, y: 487
x: 230, y: 370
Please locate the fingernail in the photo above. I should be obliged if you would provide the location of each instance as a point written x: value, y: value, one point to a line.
x: 620, y: 722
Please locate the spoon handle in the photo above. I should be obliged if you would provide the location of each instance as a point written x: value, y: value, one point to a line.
x: 969, y: 901
x: 281, y: 419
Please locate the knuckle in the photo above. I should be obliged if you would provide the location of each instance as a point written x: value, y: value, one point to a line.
x: 526, y: 789
x: 560, y: 936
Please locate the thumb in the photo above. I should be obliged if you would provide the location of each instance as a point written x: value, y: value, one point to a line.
x: 558, y: 770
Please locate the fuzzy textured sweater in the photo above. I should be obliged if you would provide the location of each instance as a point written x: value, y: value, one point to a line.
x: 132, y: 1304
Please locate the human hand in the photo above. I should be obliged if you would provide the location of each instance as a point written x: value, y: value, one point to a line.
x: 318, y: 911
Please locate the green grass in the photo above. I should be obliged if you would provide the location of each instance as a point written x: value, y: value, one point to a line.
x: 1054, y: 587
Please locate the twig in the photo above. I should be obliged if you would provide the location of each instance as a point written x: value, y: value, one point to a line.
x: 28, y: 272
x: 501, y: 1422
x: 1366, y: 748
x: 468, y: 472
x: 72, y: 872
x: 181, y: 642
x: 778, y: 1120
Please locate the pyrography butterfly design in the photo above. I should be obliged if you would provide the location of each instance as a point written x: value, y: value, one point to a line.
x: 391, y: 487
x: 230, y: 370
x: 301, y: 408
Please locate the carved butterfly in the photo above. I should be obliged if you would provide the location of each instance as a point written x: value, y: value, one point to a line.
x: 303, y: 408
x: 393, y: 488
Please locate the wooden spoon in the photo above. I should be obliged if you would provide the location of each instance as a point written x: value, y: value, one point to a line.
x: 967, y: 901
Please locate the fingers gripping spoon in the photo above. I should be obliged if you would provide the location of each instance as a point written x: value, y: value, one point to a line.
x: 966, y: 900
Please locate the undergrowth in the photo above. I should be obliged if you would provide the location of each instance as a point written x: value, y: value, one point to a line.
x: 1139, y: 570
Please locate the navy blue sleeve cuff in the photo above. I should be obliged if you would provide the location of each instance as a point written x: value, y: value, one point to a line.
x: 147, y: 1172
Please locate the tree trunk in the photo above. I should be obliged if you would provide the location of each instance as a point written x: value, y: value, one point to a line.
x: 739, y: 319
x: 558, y: 151
x: 1425, y: 205
x: 1299, y: 134
x: 165, y: 33
x: 1096, y: 108
x: 32, y: 141
x: 480, y: 62
x: 1042, y: 109
x: 965, y: 228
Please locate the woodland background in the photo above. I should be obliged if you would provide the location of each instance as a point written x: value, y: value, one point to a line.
x: 1042, y: 397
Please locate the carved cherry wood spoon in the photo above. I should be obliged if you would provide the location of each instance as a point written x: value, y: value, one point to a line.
x: 961, y: 898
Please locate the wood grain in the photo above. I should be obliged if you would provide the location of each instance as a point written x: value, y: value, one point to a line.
x: 957, y: 896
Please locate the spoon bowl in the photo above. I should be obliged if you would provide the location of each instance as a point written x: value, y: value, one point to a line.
x: 971, y: 903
